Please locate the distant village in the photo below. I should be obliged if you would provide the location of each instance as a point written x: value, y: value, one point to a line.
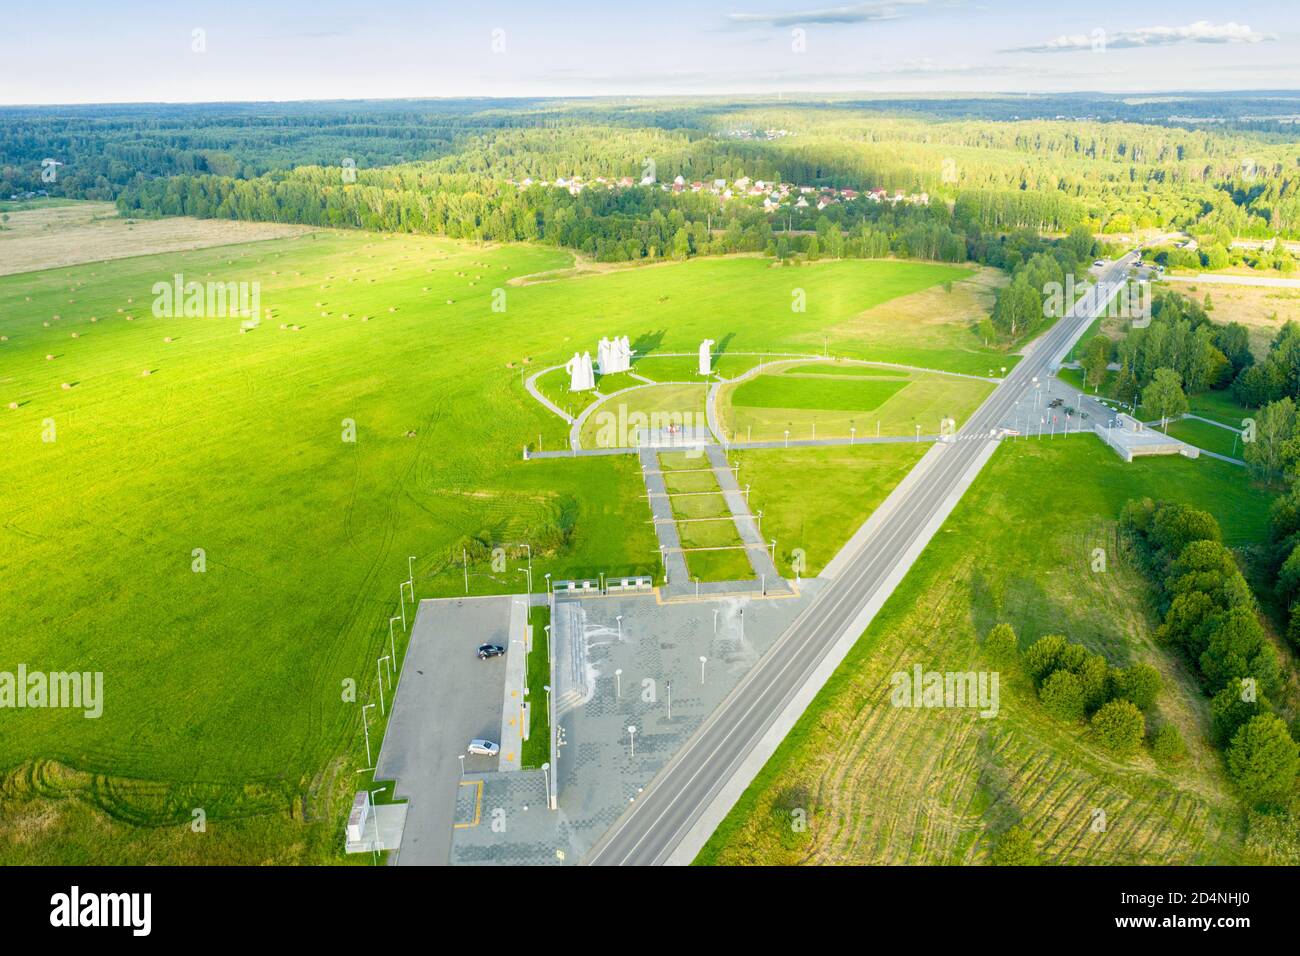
x: 773, y: 195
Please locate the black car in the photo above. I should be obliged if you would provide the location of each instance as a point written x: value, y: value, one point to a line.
x: 1056, y: 403
x: 490, y: 650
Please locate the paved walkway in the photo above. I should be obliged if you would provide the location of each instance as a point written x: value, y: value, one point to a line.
x: 512, y: 704
x: 531, y: 384
x: 756, y: 549
x: 661, y: 509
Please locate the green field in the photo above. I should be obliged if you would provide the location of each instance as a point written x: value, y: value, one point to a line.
x: 813, y: 499
x: 815, y: 392
x: 613, y: 422
x: 225, y: 686
x: 882, y: 784
x: 1222, y: 441
x: 818, y: 406
x: 839, y: 369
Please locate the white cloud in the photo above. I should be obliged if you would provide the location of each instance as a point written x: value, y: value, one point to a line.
x: 1202, y: 31
x: 854, y: 13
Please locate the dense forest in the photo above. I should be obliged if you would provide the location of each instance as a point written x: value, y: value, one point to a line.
x: 1046, y: 162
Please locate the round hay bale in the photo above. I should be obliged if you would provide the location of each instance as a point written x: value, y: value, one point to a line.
x: 13, y: 406
x: 451, y: 301
x: 94, y: 319
x: 48, y: 357
x: 46, y: 324
x: 168, y: 340
x: 66, y: 386
x: 75, y: 335
x: 146, y: 373
x: 4, y: 338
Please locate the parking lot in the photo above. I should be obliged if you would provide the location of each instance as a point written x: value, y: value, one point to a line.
x: 446, y: 696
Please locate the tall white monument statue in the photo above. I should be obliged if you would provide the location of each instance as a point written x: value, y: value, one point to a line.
x: 706, y: 357
x: 620, y: 351
x: 581, y: 378
x: 605, y: 357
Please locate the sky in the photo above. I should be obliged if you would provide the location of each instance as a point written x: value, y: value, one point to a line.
x: 78, y: 51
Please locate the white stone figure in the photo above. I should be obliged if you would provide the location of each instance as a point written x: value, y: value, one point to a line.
x: 624, y: 354
x: 605, y: 358
x: 580, y: 378
x: 589, y: 373
x: 706, y: 357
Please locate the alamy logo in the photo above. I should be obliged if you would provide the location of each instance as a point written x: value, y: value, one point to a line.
x: 631, y: 429
x: 207, y: 300
x: 74, y: 690
x: 921, y: 688
x: 1121, y: 300
x: 74, y: 908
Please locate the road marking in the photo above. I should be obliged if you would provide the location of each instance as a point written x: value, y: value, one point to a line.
x: 478, y: 803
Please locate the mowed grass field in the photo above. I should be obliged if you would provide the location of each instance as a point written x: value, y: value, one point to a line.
x: 827, y: 404
x: 227, y: 688
x: 891, y: 785
x: 814, y: 499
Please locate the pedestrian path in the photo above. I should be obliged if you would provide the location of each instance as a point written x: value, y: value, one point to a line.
x: 512, y: 705
x: 756, y: 549
x: 661, y: 509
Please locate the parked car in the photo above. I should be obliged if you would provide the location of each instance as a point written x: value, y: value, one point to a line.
x: 483, y: 748
x: 1098, y: 263
x: 1056, y: 403
x: 490, y: 650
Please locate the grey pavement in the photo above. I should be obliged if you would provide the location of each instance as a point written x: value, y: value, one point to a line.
x: 643, y: 671
x: 445, y: 697
x: 661, y: 510
x: 756, y: 549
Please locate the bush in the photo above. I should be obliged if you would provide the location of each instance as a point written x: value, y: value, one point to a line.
x: 1262, y: 759
x: 1167, y: 744
x: 1016, y: 848
x: 1139, y: 684
x: 1119, y: 727
x: 1094, y: 678
x: 1230, y: 709
x: 1062, y: 695
x: 1001, y: 644
x: 1043, y: 656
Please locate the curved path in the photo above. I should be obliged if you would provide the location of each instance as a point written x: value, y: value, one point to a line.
x: 710, y: 405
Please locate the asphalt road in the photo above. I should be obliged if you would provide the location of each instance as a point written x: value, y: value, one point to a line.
x: 652, y: 828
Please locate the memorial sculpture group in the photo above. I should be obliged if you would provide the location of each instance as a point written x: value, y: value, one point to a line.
x: 615, y: 355
x: 612, y: 355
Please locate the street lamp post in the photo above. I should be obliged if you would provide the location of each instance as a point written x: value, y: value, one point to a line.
x: 392, y: 645
x: 703, y: 660
x: 366, y: 728
x: 379, y: 673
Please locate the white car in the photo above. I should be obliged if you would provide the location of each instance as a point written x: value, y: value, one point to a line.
x: 484, y: 748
